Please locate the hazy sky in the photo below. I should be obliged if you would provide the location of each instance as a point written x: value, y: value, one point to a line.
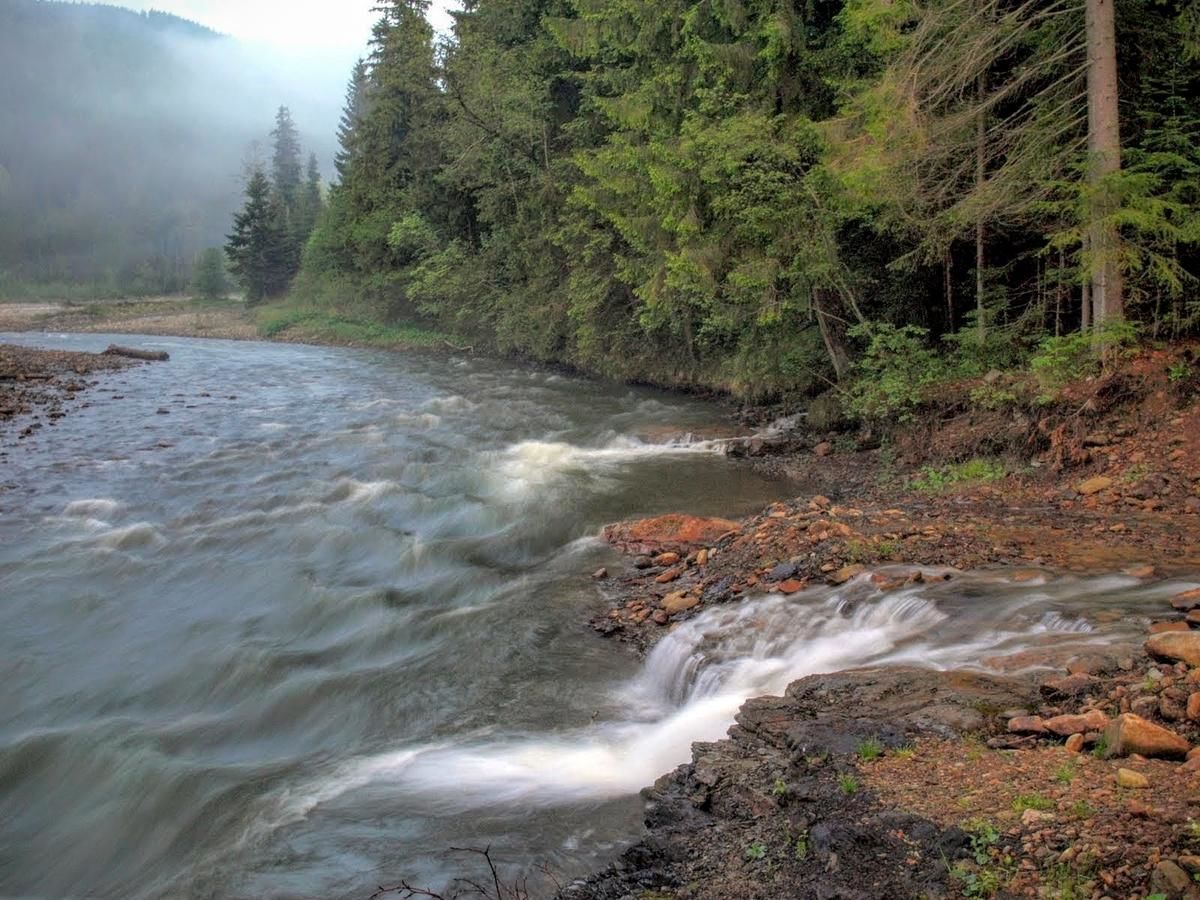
x: 339, y: 25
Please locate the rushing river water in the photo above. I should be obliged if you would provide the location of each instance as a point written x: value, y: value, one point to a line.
x: 287, y: 621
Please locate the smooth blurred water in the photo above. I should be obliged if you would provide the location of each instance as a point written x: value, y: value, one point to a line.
x: 325, y: 618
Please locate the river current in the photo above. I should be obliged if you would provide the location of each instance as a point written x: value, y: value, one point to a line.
x: 287, y: 621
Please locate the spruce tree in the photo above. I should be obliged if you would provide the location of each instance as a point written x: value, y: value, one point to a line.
x: 259, y: 247
x: 353, y: 115
x: 285, y: 162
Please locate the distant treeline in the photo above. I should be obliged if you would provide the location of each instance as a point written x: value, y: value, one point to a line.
x: 758, y: 194
x: 122, y: 144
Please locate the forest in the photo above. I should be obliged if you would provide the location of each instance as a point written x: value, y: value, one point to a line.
x: 768, y: 196
x: 123, y: 139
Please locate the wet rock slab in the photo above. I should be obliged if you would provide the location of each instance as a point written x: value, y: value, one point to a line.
x: 777, y: 811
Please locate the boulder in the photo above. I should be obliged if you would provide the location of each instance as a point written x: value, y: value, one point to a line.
x: 1172, y: 882
x: 1129, y: 733
x: 1175, y: 646
x: 1075, y: 743
x: 1027, y: 725
x: 671, y: 533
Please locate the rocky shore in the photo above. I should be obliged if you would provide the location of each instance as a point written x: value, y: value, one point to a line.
x: 43, y: 385
x: 1078, y: 778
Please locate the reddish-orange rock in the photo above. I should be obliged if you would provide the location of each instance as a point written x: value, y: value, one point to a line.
x: 1175, y: 646
x: 1065, y: 726
x: 670, y: 575
x: 666, y: 559
x: 1128, y: 734
x: 1186, y: 600
x: 671, y: 533
x: 1193, y: 706
x: 1027, y: 725
x: 791, y: 586
x: 1074, y: 743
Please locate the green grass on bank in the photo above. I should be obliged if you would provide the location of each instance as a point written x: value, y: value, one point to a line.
x: 283, y: 321
x: 936, y: 479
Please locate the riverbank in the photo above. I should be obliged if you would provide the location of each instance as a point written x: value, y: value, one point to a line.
x: 221, y: 319
x: 1061, y: 776
x: 45, y: 384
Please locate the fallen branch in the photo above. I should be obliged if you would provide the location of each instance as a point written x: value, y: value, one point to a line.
x: 134, y: 353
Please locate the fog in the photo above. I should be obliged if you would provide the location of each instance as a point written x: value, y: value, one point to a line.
x: 124, y: 136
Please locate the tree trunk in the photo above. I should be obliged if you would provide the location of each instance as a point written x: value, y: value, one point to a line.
x: 832, y: 330
x: 948, y: 287
x: 1104, y: 159
x: 981, y: 322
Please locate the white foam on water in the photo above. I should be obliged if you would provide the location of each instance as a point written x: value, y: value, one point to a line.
x: 93, y: 508
x: 131, y: 537
x: 532, y: 465
x: 689, y: 689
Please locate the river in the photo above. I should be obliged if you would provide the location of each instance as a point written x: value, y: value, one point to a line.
x: 288, y: 621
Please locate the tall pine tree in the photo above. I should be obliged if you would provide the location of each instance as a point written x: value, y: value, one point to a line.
x: 285, y: 162
x: 259, y: 247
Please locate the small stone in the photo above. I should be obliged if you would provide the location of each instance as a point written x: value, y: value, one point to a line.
x: 1193, y: 706
x: 1127, y: 778
x: 1140, y: 572
x: 791, y: 586
x: 1068, y: 686
x: 1191, y: 863
x: 643, y: 562
x: 702, y: 557
x: 844, y: 574
x: 666, y: 559
x: 679, y: 602
x: 670, y: 575
x: 1074, y: 743
x: 661, y: 617
x: 1094, y: 485
x: 823, y: 449
x: 1192, y: 618
x: 1036, y: 817
x: 600, y: 574
x: 1187, y: 600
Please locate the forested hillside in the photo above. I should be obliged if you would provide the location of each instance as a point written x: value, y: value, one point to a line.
x: 123, y: 138
x: 768, y: 195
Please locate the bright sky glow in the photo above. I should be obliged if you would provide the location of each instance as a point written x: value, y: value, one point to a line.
x: 331, y: 25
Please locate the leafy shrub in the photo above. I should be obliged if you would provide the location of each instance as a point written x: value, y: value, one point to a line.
x: 893, y: 373
x: 1077, y: 355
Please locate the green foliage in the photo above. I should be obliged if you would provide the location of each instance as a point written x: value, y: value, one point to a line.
x: 848, y: 784
x: 1031, y: 801
x: 869, y: 749
x: 756, y: 851
x: 1066, y: 773
x: 324, y: 325
x: 936, y: 479
x: 1100, y: 751
x: 209, y: 281
x: 893, y: 372
x: 1060, y: 360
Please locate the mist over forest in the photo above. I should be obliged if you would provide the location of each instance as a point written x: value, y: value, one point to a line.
x: 125, y: 136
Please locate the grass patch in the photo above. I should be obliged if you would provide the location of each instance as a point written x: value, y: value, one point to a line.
x: 1031, y: 801
x: 870, y: 749
x: 937, y: 479
x: 1066, y: 773
x: 848, y: 784
x: 313, y: 324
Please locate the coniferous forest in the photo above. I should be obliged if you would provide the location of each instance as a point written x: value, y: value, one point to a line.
x: 763, y: 196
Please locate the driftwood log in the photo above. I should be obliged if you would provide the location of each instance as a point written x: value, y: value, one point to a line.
x: 134, y: 353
